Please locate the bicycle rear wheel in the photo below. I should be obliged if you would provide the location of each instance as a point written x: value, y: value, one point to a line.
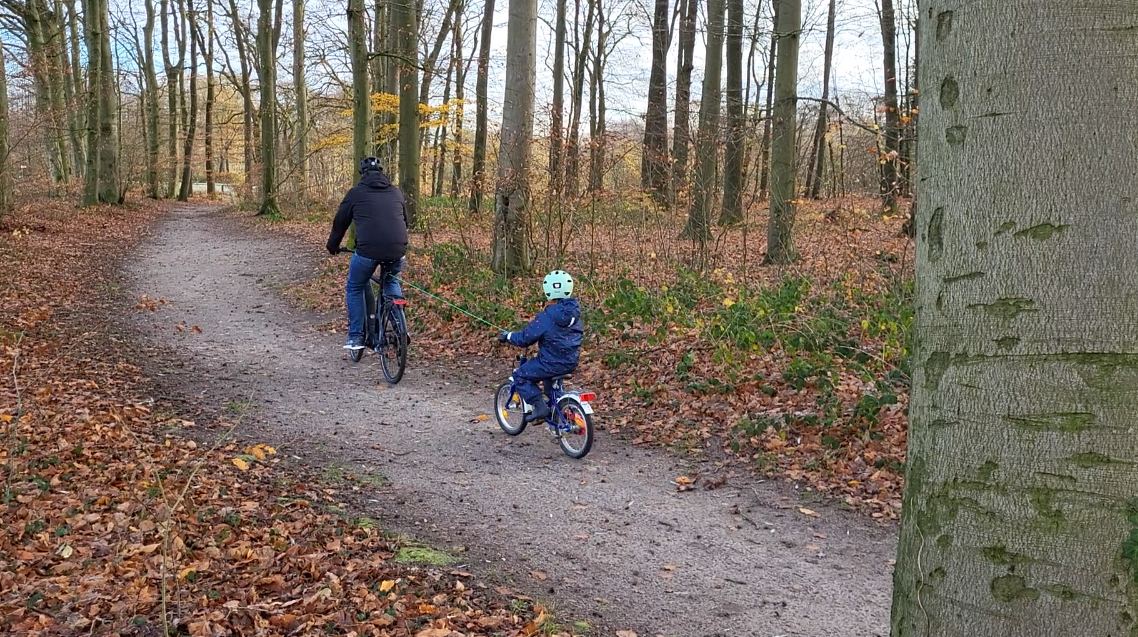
x: 393, y: 348
x: 575, y: 427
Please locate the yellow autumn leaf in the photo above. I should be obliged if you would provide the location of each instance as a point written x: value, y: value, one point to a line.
x: 256, y: 452
x: 241, y: 464
x: 483, y: 417
x: 184, y: 573
x: 6, y: 418
x: 386, y: 585
x: 728, y: 302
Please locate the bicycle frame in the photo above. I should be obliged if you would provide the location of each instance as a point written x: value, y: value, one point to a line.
x: 557, y: 392
x: 377, y: 307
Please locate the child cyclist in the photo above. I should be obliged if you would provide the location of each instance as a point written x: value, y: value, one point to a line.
x: 558, y: 332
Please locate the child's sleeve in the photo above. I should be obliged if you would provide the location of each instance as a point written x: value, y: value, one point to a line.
x: 532, y: 333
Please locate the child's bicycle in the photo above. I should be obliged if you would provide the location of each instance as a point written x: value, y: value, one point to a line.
x: 570, y: 419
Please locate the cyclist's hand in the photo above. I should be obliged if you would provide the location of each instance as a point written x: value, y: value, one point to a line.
x: 503, y: 337
x: 333, y: 249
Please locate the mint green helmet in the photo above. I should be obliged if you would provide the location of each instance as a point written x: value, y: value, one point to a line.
x: 558, y: 285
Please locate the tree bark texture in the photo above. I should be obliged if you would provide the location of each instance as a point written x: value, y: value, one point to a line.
x: 6, y: 180
x: 267, y: 55
x: 654, y: 157
x: 300, y: 87
x: 734, y: 149
x: 153, y: 184
x: 361, y: 96
x: 889, y: 151
x: 681, y: 134
x: 780, y: 229
x: 407, y: 26
x: 707, y: 153
x: 1020, y: 517
x: 511, y: 242
x: 190, y: 110
x: 478, y: 165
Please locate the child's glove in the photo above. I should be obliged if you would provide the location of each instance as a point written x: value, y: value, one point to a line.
x: 503, y: 337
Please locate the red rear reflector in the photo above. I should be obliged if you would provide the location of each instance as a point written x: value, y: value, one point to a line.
x: 400, y: 302
x: 588, y: 397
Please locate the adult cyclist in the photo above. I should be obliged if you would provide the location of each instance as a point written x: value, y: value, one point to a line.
x: 380, y: 214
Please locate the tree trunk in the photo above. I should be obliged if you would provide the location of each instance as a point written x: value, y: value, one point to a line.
x: 734, y: 148
x: 597, y: 107
x: 300, y: 86
x: 681, y: 136
x: 210, y: 100
x: 58, y: 78
x: 1019, y: 516
x: 39, y: 31
x: 814, y: 176
x: 478, y: 167
x: 190, y: 111
x: 173, y: 85
x: 909, y: 228
x: 151, y: 100
x: 573, y: 149
x: 557, y: 116
x: 361, y: 97
x: 888, y: 151
x: 460, y: 95
x: 92, y: 33
x: 240, y: 35
x: 108, y: 105
x: 75, y: 110
x: 699, y: 218
x: 654, y: 159
x: 765, y: 146
x: 407, y: 25
x: 438, y: 171
x: 780, y: 230
x: 5, y: 148
x: 511, y: 241
x: 267, y: 55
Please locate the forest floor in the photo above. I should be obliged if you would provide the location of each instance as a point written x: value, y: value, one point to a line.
x: 279, y: 524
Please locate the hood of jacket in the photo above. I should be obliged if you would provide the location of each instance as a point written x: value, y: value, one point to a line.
x: 375, y: 179
x: 565, y: 312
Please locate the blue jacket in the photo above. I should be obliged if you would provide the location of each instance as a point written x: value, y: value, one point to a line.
x: 558, y: 331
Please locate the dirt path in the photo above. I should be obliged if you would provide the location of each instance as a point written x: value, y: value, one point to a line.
x: 607, y: 539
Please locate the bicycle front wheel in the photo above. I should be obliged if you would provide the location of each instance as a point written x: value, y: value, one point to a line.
x: 509, y: 410
x: 393, y: 348
x: 574, y: 426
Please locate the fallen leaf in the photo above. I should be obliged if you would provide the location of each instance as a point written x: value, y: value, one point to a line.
x: 240, y: 464
x: 805, y: 511
x: 538, y: 575
x: 386, y: 585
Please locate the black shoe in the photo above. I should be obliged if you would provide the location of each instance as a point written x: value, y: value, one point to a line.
x: 540, y: 412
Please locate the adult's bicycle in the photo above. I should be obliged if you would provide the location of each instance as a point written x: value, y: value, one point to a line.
x: 385, y: 329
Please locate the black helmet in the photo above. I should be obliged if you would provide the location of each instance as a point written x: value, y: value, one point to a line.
x: 369, y: 163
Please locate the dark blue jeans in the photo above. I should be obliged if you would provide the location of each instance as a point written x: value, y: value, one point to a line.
x: 359, y: 275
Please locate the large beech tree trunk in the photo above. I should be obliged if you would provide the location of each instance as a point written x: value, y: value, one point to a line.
x: 1020, y: 517
x: 511, y: 203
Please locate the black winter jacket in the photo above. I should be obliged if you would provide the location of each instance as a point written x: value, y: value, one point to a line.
x: 379, y: 211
